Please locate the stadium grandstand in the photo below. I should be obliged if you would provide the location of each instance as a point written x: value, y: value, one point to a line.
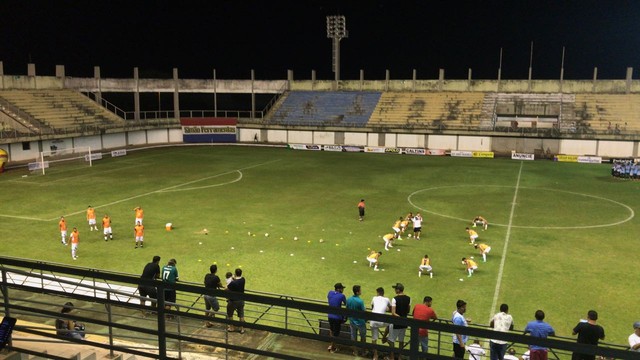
x: 578, y: 117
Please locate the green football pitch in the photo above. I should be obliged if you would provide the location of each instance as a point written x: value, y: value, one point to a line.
x: 562, y: 234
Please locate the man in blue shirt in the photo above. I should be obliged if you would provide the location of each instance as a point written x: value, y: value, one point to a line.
x: 336, y: 299
x: 459, y: 341
x: 539, y: 328
x: 358, y: 325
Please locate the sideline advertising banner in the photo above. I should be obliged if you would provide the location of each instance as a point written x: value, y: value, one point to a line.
x: 415, y: 151
x: 458, y: 153
x: 590, y: 159
x: 332, y: 148
x: 304, y: 147
x: 437, y: 152
x: 565, y: 158
x: 521, y: 156
x: 375, y: 150
x: 209, y: 129
x: 483, y: 154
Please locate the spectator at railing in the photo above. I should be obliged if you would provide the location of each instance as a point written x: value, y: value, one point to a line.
x: 336, y: 299
x: 634, y: 339
x: 68, y: 327
x: 588, y: 333
x: 151, y: 271
x: 501, y: 321
x: 358, y: 325
x: 539, y: 328
x: 459, y: 340
x: 234, y: 304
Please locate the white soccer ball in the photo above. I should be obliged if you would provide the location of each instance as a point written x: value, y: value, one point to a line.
x: 266, y: 234
x: 295, y: 238
x: 321, y: 240
x: 408, y: 235
x: 200, y: 243
x: 249, y: 233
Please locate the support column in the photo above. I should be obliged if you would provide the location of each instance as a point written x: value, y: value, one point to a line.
x: 176, y: 94
x: 629, y: 78
x: 1, y: 75
x: 215, y: 94
x: 253, y: 94
x: 414, y: 77
x: 136, y: 95
x: 440, y: 79
x: 60, y: 74
x: 98, y: 84
x: 595, y: 78
x: 386, y: 80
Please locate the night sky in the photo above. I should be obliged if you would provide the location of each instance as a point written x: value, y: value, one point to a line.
x: 272, y: 36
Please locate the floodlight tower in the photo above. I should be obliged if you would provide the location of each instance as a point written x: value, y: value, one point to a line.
x: 336, y: 30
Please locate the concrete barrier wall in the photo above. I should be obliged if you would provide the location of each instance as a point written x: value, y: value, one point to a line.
x: 29, y: 151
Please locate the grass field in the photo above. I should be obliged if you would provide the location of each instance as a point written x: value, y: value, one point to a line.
x: 562, y: 234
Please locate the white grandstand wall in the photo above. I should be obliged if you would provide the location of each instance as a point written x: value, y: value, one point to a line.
x: 23, y: 152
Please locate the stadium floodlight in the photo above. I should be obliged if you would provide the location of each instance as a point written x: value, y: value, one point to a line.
x: 336, y: 30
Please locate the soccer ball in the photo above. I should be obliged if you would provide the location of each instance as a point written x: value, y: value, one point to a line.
x: 295, y: 238
x: 266, y: 234
x: 408, y: 235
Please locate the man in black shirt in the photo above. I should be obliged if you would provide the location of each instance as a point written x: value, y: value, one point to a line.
x: 235, y: 304
x: 212, y: 281
x: 400, y: 306
x: 588, y: 333
x: 151, y: 272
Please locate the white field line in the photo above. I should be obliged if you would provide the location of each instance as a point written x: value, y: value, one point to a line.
x: 170, y: 188
x: 208, y: 186
x: 506, y: 244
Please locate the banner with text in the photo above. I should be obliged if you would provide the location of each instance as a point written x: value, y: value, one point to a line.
x: 209, y: 129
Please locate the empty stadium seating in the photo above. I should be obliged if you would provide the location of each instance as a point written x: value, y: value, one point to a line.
x: 61, y: 109
x: 325, y: 108
x: 440, y: 109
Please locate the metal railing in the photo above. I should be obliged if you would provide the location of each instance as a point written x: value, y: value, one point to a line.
x: 109, y: 306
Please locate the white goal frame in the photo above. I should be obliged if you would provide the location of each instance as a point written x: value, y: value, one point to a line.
x: 60, y: 155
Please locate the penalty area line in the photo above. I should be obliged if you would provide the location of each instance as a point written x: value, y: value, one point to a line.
x: 496, y: 292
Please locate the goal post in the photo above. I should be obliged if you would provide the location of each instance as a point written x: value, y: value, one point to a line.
x: 69, y: 158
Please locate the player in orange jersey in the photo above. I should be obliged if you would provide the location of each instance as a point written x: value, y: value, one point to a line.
x: 91, y: 218
x: 470, y: 264
x: 106, y: 227
x: 139, y: 214
x: 139, y: 233
x: 75, y: 240
x: 62, y: 224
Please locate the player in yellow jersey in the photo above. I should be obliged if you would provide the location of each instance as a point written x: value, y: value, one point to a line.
x: 91, y: 218
x: 473, y: 235
x: 62, y: 224
x: 374, y: 258
x: 396, y: 228
x: 479, y: 220
x: 139, y: 215
x: 425, y: 265
x: 388, y: 240
x: 470, y: 264
x: 404, y: 224
x: 484, y: 250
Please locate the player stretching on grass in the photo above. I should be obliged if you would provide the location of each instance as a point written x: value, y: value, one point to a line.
x: 425, y: 265
x: 484, y: 250
x: 388, y: 239
x: 473, y: 235
x: 373, y: 259
x: 479, y: 220
x: 396, y: 228
x: 471, y: 265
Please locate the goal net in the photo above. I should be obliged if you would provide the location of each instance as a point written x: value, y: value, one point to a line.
x: 64, y: 159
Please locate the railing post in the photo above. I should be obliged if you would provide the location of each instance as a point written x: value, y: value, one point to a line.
x: 110, y: 319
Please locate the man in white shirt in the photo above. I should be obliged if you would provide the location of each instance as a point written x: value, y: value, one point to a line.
x: 379, y: 305
x: 503, y: 322
x: 475, y: 350
x: 417, y: 226
x: 634, y: 339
